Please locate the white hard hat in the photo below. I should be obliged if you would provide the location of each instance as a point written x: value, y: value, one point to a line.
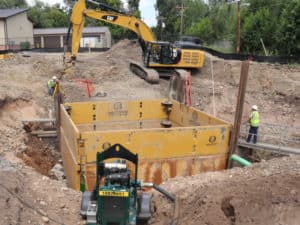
x: 254, y: 107
x: 54, y: 78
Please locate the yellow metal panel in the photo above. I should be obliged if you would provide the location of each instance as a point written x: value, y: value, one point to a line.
x: 88, y: 112
x: 71, y: 167
x: 69, y: 133
x: 157, y: 171
x: 161, y: 143
x: 190, y: 116
x: 197, y: 142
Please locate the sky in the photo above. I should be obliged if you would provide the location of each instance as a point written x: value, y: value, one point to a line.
x: 146, y: 7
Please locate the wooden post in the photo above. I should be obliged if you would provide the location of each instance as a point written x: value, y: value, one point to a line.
x: 238, y: 32
x: 239, y: 109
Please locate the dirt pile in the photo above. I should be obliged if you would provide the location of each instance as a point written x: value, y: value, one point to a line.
x: 254, y: 195
x: 26, y: 197
x: 274, y: 88
x: 109, y: 71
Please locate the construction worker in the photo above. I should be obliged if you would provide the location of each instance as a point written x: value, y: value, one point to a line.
x: 51, y: 85
x: 254, y: 124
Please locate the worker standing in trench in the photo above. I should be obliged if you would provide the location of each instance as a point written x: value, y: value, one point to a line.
x: 254, y: 124
x: 51, y: 85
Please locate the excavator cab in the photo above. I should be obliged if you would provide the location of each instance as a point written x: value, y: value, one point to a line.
x: 161, y: 52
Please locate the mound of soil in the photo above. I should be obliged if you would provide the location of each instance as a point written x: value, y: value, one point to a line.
x: 267, y: 193
x: 26, y: 197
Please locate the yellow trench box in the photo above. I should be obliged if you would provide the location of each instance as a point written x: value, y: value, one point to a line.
x: 170, y: 138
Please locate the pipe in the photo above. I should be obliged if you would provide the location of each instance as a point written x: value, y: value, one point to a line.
x: 164, y: 192
x: 240, y: 160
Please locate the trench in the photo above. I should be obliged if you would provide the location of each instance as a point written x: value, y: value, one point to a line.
x: 41, y: 154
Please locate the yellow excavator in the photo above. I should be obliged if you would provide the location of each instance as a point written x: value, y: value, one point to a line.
x: 159, y: 58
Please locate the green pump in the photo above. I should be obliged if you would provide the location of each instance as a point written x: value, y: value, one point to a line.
x: 117, y: 199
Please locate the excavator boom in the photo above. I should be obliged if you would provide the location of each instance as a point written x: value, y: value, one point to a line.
x: 132, y: 23
x: 158, y: 56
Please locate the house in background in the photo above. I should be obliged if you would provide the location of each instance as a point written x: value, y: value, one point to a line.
x: 54, y: 38
x: 16, y: 30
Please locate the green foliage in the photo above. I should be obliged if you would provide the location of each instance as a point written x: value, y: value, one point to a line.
x: 202, y: 29
x: 6, y: 4
x: 275, y: 22
x: 133, y: 5
x: 256, y: 27
x: 44, y: 16
x: 289, y: 32
x: 207, y: 21
x: 170, y: 16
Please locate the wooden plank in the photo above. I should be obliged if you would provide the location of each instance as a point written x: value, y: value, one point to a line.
x: 239, y: 110
x: 42, y: 132
x: 39, y: 120
x: 47, y: 135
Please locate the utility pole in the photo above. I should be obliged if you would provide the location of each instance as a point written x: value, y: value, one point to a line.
x: 181, y: 19
x: 238, y: 32
x: 181, y: 8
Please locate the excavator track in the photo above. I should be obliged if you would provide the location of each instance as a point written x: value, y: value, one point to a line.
x: 150, y: 75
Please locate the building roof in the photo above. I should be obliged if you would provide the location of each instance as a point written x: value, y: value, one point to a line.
x: 64, y: 30
x: 5, y: 13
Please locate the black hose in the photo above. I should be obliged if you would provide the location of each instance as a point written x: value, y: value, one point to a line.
x: 164, y: 192
x: 173, y: 199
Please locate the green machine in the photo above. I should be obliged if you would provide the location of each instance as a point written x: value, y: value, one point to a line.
x: 117, y: 198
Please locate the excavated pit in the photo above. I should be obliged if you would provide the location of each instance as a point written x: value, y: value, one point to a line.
x: 265, y: 194
x: 41, y: 154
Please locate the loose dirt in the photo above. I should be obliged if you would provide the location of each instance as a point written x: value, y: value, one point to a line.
x: 255, y: 195
x: 267, y: 193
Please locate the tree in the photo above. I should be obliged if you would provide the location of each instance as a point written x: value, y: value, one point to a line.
x: 289, y: 32
x: 276, y: 22
x: 44, y: 16
x: 169, y: 15
x: 202, y: 29
x: 133, y: 6
x: 6, y: 4
x: 258, y: 26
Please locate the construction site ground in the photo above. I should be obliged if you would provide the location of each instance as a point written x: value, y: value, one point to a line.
x: 264, y: 193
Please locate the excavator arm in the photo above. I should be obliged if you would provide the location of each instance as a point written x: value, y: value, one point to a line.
x: 158, y: 56
x: 80, y: 12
